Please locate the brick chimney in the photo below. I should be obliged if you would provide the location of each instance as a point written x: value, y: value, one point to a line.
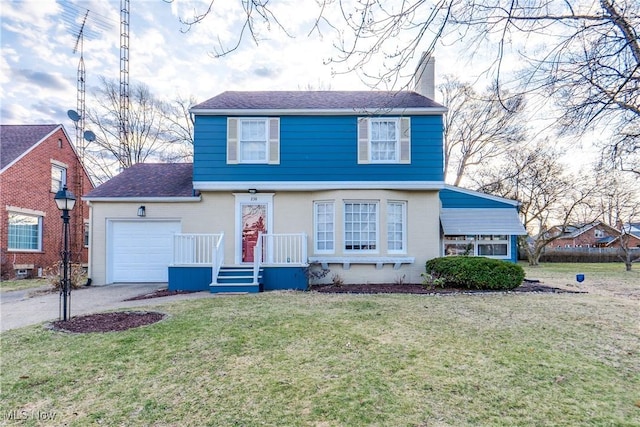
x: 425, y: 76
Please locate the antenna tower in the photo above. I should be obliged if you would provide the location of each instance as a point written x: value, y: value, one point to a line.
x: 80, y: 102
x: 124, y: 82
x: 79, y: 28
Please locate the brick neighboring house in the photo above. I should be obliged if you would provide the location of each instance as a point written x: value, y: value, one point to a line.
x: 35, y: 162
x: 593, y: 235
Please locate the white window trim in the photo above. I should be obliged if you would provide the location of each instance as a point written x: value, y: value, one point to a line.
x: 396, y: 121
x: 86, y: 226
x: 404, y: 226
x: 315, y: 226
x: 26, y: 212
x: 403, y: 140
x: 265, y: 141
x: 62, y: 167
x: 344, y: 231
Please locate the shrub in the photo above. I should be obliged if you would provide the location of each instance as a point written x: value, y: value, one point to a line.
x: 476, y: 272
x: 77, y: 276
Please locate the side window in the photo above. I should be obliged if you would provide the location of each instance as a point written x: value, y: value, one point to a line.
x: 396, y: 227
x: 384, y: 140
x: 58, y: 177
x: 253, y: 140
x: 85, y: 236
x: 324, y: 227
x: 25, y: 232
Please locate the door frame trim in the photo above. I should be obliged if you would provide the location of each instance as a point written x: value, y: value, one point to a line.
x: 248, y: 199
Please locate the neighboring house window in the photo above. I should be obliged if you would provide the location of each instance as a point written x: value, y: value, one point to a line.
x: 384, y: 140
x: 85, y: 237
x: 491, y: 246
x: 361, y: 226
x: 58, y: 177
x: 324, y: 227
x: 253, y: 140
x: 396, y: 227
x: 599, y: 234
x: 25, y: 232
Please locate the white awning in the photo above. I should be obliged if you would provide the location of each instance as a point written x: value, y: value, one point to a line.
x: 481, y: 221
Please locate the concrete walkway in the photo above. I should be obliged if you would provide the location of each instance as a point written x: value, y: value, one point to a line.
x: 31, y: 307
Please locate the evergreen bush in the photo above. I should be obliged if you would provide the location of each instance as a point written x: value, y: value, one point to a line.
x: 476, y: 272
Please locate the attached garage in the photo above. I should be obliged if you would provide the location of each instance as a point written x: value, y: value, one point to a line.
x: 140, y: 250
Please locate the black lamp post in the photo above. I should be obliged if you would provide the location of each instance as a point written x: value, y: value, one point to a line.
x: 65, y: 200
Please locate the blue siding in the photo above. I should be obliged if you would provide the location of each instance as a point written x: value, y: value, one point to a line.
x: 453, y: 199
x: 189, y: 278
x: 318, y: 148
x: 287, y: 278
x: 514, y: 248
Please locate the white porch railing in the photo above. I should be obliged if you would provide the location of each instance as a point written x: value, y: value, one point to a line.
x: 218, y: 259
x: 197, y: 249
x: 257, y: 258
x: 284, y: 249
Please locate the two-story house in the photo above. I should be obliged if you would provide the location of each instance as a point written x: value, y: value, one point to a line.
x: 35, y: 162
x: 346, y: 182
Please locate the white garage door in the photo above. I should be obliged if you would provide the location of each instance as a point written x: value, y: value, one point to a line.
x: 141, y: 251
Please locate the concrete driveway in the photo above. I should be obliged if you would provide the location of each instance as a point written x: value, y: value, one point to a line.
x: 23, y: 308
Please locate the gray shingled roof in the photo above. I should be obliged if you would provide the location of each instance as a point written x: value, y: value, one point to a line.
x: 15, y: 140
x: 148, y: 180
x: 316, y: 100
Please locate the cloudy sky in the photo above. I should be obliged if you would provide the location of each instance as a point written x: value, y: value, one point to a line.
x: 39, y: 67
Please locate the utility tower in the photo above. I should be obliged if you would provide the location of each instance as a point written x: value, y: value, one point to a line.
x: 77, y: 19
x: 124, y: 84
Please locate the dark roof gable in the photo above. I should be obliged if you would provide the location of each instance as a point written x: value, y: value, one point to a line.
x: 15, y: 140
x: 316, y: 100
x: 148, y: 180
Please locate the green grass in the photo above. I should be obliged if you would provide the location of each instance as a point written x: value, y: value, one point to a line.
x: 17, y: 285
x: 309, y: 359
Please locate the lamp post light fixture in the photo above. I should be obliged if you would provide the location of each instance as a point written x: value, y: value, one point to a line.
x: 65, y: 200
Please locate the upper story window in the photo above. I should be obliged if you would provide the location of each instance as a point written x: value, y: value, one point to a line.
x: 25, y: 232
x: 58, y: 177
x: 253, y: 140
x: 598, y: 234
x: 384, y: 140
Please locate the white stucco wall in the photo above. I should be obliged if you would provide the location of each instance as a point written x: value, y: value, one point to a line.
x: 215, y: 212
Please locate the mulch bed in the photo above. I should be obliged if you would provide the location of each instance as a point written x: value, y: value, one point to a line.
x: 157, y: 294
x: 407, y: 288
x: 108, y: 322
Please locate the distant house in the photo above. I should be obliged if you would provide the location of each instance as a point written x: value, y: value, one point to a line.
x: 632, y: 230
x: 35, y: 162
x: 592, y: 235
x: 346, y: 182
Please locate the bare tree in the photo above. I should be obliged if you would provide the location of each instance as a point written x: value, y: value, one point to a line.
x: 550, y: 197
x: 179, y: 122
x: 477, y: 127
x: 619, y: 206
x: 583, y: 54
x: 150, y: 134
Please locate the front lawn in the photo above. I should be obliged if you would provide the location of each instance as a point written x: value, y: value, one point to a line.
x: 17, y: 285
x: 310, y: 359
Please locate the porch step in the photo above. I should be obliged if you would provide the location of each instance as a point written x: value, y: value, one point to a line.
x: 236, y: 280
